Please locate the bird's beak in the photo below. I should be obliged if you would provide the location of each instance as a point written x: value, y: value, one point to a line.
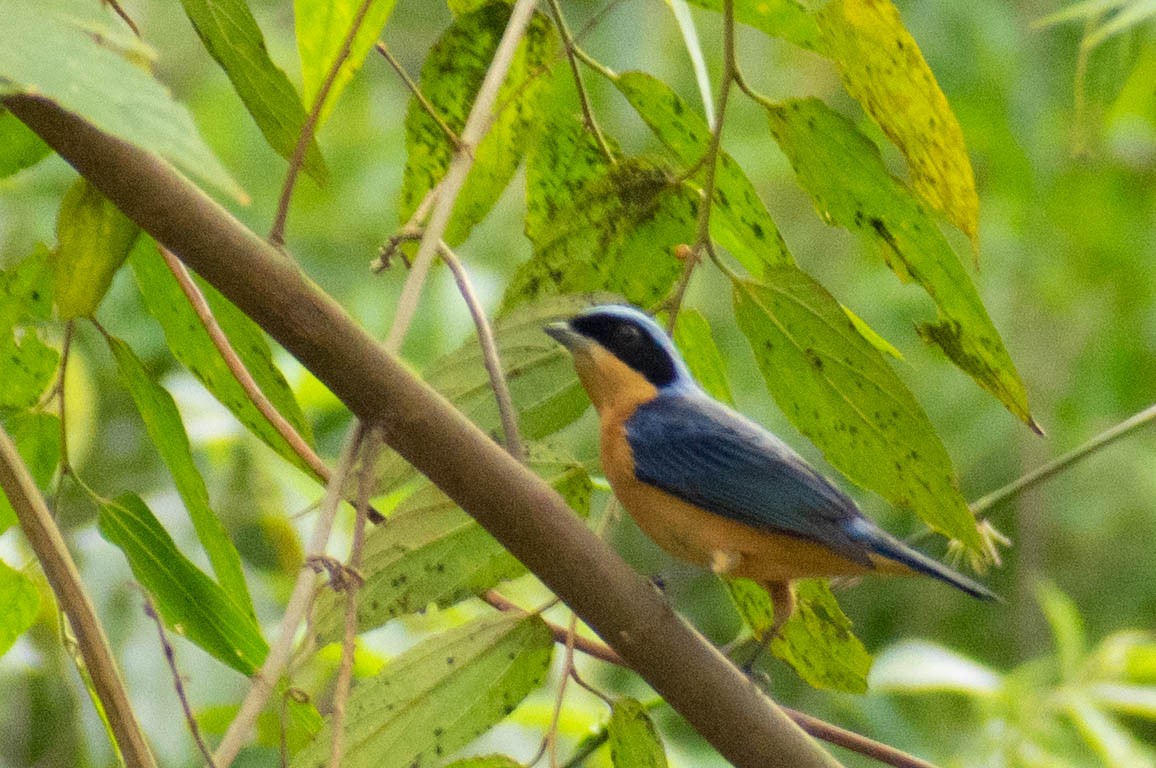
x: 565, y: 335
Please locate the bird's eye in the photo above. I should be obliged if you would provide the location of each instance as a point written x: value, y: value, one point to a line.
x: 628, y: 335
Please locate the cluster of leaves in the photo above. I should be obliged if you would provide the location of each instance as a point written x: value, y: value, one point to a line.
x: 1062, y: 704
x: 598, y: 220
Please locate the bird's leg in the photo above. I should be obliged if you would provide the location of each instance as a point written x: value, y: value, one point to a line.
x: 783, y: 603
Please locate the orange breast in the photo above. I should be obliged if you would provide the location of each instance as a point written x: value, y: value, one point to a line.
x: 690, y: 533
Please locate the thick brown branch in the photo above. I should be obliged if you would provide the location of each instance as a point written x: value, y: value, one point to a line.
x: 518, y: 508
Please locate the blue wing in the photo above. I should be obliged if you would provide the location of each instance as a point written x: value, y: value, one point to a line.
x: 699, y: 450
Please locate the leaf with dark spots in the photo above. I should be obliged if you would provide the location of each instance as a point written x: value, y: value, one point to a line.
x: 431, y: 707
x: 844, y: 173
x: 852, y: 386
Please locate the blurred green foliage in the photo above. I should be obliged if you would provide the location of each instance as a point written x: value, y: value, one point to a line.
x: 1062, y: 136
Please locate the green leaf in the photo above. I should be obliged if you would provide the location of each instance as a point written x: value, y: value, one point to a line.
x: 597, y: 226
x: 840, y: 393
x: 917, y: 666
x: 231, y: 36
x: 191, y: 345
x: 486, y: 761
x: 884, y: 70
x: 440, y: 695
x: 784, y: 19
x: 539, y: 373
x: 693, y: 338
x: 93, y: 239
x: 20, y: 148
x: 27, y: 364
x: 37, y: 440
x: 19, y: 604
x: 189, y: 601
x: 739, y: 221
x: 167, y: 432
x: 1067, y: 628
x: 431, y: 552
x: 634, y: 741
x: 1111, y: 741
x: 450, y: 79
x: 817, y: 641
x: 844, y: 174
x: 322, y: 26
x: 52, y: 54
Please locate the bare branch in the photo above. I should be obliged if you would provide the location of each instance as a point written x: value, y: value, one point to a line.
x: 44, y: 537
x: 477, y: 125
x: 309, y: 128
x: 587, y: 112
x: 489, y: 346
x: 264, y: 681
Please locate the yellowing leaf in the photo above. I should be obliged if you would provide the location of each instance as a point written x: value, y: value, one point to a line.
x: 844, y: 173
x: 93, y: 240
x: 838, y: 390
x: 322, y: 26
x: 884, y: 70
x: 816, y: 641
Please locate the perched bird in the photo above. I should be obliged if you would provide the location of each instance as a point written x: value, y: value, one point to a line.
x: 711, y: 486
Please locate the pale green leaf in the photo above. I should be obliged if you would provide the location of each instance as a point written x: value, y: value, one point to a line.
x: 917, y: 666
x: 37, y: 440
x: 839, y: 392
x: 19, y: 603
x: 190, y: 343
x: 440, y: 695
x: 785, y: 19
x: 322, y: 26
x: 539, y: 373
x: 844, y: 174
x: 450, y: 79
x: 45, y: 52
x: 1111, y: 741
x: 634, y: 741
x: 739, y: 219
x: 1067, y: 627
x: 597, y: 226
x: 231, y: 36
x: 189, y: 601
x: 1134, y: 700
x: 693, y: 338
x: 430, y: 552
x: 93, y: 239
x: 884, y: 70
x: 20, y: 148
x: 817, y: 641
x: 486, y: 761
x: 27, y: 364
x: 167, y: 432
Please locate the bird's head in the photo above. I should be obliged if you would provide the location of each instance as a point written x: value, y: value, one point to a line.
x: 621, y: 355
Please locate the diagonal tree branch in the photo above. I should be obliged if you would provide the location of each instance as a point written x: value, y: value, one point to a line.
x: 516, y: 506
x: 60, y: 570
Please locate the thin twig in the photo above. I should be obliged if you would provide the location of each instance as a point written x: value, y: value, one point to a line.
x: 425, y: 103
x: 477, y: 124
x: 46, y: 542
x: 178, y: 683
x: 235, y: 365
x: 685, y: 22
x: 984, y: 504
x: 490, y: 357
x: 352, y: 586
x: 123, y: 14
x: 551, y: 742
x: 263, y: 681
x: 224, y: 347
x: 308, y: 129
x: 409, y: 232
x: 710, y: 161
x: 583, y: 98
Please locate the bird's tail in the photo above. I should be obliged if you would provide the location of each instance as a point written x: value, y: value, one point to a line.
x: 886, y: 545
